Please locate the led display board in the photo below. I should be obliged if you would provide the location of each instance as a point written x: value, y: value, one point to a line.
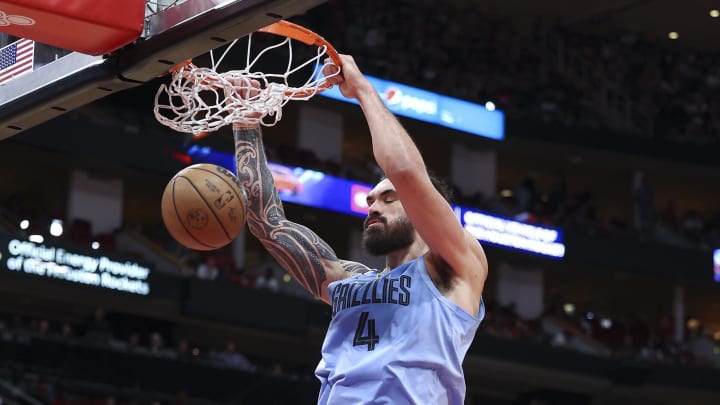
x: 434, y: 108
x: 319, y: 190
x: 47, y: 260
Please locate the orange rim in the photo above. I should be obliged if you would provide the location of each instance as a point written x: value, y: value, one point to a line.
x: 302, y: 34
x: 308, y: 37
x: 180, y: 66
x: 298, y: 33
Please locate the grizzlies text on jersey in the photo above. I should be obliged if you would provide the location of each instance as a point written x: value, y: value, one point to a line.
x: 394, y: 339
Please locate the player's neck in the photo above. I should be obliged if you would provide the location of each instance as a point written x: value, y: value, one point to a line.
x: 412, y: 252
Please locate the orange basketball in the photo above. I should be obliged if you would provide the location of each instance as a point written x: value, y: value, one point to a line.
x: 203, y: 207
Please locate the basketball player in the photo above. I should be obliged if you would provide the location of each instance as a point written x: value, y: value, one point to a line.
x: 398, y: 335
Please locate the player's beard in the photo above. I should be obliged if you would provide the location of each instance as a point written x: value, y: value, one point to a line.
x: 389, y: 237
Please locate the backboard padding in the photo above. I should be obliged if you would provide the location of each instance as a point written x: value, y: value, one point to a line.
x: 184, y: 33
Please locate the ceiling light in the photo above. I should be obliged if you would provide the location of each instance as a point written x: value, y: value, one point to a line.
x: 673, y: 35
x: 714, y: 13
x: 56, y: 227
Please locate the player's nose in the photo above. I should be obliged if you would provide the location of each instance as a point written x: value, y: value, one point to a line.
x: 373, y: 209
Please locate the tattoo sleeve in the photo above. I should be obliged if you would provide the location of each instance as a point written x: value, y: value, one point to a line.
x: 297, y: 249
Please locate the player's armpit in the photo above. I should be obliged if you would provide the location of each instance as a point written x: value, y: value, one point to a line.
x: 438, y: 225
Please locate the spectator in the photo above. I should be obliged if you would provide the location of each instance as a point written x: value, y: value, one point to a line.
x: 241, y: 277
x: 267, y: 280
x: 643, y: 205
x: 183, y: 350
x: 99, y: 330
x: 526, y: 194
x: 157, y: 345
x: 43, y: 327
x: 230, y: 357
x: 66, y: 330
x: 691, y: 225
x: 133, y: 342
x: 208, y: 269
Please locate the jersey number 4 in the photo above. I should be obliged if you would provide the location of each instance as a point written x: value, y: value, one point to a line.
x: 371, y: 338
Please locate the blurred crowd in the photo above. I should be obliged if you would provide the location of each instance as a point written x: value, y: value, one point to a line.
x: 612, y: 335
x: 64, y: 383
x: 648, y: 219
x: 556, y: 204
x: 629, y: 336
x: 546, y: 72
x: 539, y: 69
x: 675, y: 89
x: 625, y: 335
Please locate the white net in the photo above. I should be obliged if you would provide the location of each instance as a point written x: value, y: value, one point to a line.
x: 153, y: 7
x: 199, y: 100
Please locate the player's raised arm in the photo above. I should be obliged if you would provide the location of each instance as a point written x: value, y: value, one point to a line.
x: 431, y: 215
x: 301, y: 252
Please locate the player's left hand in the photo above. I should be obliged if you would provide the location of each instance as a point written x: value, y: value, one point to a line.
x: 246, y: 89
x: 351, y: 81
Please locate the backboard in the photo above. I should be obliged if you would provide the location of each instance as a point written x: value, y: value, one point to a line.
x: 174, y: 31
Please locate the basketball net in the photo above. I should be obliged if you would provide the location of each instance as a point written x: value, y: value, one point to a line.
x: 200, y: 100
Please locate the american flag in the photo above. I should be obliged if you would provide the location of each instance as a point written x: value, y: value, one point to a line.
x: 16, y: 59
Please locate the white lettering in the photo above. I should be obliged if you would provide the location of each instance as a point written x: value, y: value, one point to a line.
x: 513, y: 234
x: 83, y: 277
x: 124, y: 284
x: 34, y: 266
x: 517, y: 242
x: 125, y: 269
x: 86, y: 263
x: 418, y: 105
x: 78, y: 268
x: 29, y: 249
x: 14, y: 263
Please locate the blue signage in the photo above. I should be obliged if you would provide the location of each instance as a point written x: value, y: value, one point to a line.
x: 505, y: 232
x: 716, y: 265
x: 434, y: 108
x: 319, y: 190
x: 300, y: 186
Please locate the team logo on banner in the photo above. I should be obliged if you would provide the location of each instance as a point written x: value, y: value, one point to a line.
x: 6, y: 20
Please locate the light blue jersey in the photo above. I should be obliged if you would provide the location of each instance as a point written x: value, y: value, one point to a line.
x: 394, y: 339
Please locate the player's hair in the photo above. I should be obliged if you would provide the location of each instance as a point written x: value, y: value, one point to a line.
x: 440, y: 185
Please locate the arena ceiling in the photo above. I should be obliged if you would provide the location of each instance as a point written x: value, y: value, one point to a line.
x: 652, y: 19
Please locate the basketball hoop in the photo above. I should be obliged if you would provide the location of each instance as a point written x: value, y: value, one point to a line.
x: 199, y: 100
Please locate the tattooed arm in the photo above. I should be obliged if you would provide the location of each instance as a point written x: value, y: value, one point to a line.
x: 301, y: 252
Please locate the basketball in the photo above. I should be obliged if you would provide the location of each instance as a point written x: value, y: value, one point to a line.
x: 203, y: 207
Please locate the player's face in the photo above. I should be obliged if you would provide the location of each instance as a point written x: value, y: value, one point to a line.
x: 387, y: 227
